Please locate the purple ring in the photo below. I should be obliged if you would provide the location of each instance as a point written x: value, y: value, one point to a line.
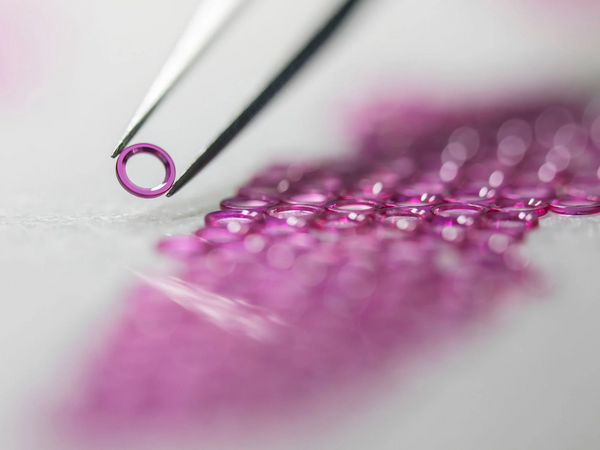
x: 574, y: 206
x: 424, y: 201
x: 405, y: 219
x: 284, y: 212
x: 308, y: 197
x: 354, y: 205
x: 249, y: 203
x: 340, y: 222
x: 133, y: 188
x: 514, y: 223
x: 461, y: 214
x: 539, y: 207
x: 235, y: 221
x: 293, y: 216
x: 536, y: 192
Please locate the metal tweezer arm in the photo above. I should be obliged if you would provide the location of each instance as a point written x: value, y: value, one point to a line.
x: 215, y: 13
x: 270, y: 91
x: 208, y: 19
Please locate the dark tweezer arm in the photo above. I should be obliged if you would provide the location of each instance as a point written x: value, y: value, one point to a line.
x: 270, y: 91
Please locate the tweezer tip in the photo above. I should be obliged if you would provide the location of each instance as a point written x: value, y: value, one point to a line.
x: 117, y: 150
x: 176, y: 187
x: 172, y: 191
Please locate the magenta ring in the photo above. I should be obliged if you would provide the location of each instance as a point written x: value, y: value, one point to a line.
x: 574, y: 206
x: 249, y: 203
x: 245, y: 220
x: 402, y: 218
x: 425, y: 201
x: 340, y: 222
x: 514, y: 223
x: 308, y: 197
x: 462, y: 214
x: 284, y: 212
x: 354, y: 205
x: 133, y: 188
x: 539, y: 207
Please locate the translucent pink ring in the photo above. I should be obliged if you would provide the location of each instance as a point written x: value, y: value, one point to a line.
x: 404, y: 219
x: 537, y: 192
x: 573, y: 206
x: 539, y: 207
x: 353, y: 205
x: 294, y: 216
x: 462, y: 214
x: 236, y: 221
x: 425, y: 201
x: 474, y: 194
x: 284, y: 212
x: 340, y: 222
x: 133, y: 188
x: 249, y: 203
x: 514, y: 223
x: 309, y: 197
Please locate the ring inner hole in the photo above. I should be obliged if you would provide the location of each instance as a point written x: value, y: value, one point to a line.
x: 145, y: 170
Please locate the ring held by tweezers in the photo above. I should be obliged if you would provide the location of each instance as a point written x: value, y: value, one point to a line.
x: 133, y: 188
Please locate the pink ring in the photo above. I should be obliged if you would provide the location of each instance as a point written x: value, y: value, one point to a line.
x: 133, y: 188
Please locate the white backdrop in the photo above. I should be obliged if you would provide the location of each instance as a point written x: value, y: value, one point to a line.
x: 71, y: 237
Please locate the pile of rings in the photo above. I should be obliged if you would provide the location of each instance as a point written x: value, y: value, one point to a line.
x: 316, y: 275
x: 422, y: 170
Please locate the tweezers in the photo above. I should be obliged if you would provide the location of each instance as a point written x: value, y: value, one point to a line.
x: 208, y: 20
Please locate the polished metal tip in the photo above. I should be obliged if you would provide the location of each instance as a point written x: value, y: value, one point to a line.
x: 119, y: 148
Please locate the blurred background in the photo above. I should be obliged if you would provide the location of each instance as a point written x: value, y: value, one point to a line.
x: 71, y: 75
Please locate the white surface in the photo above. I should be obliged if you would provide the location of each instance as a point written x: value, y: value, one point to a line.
x: 71, y: 236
